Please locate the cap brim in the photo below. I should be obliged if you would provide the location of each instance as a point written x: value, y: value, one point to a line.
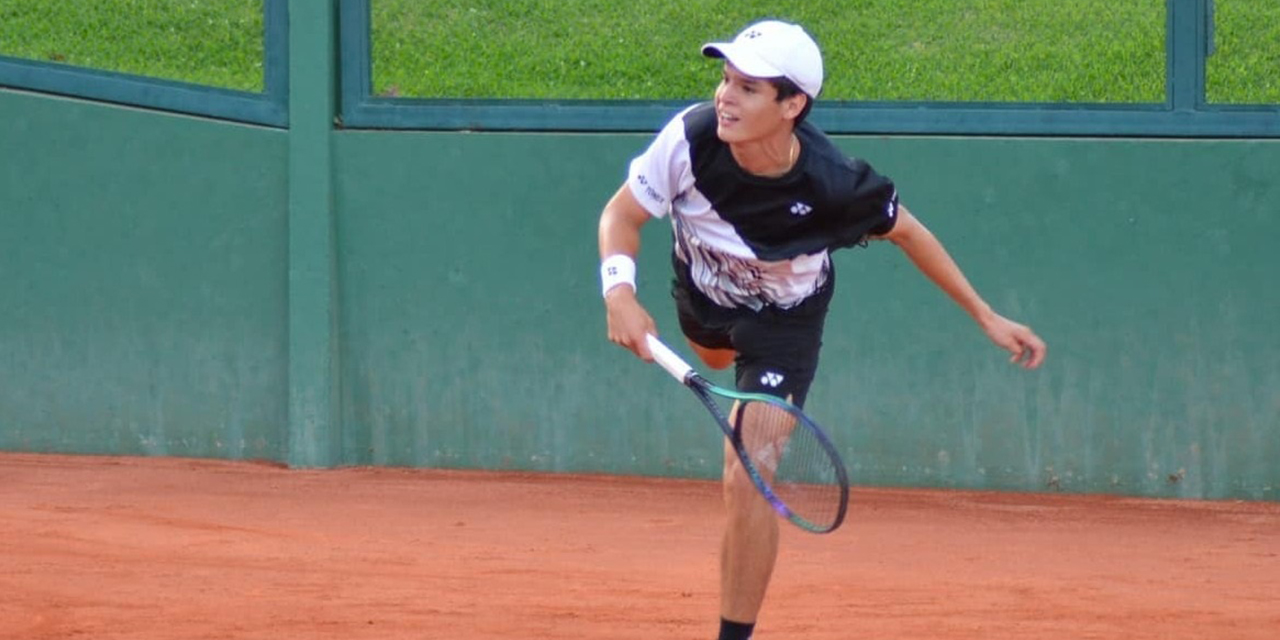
x: 745, y: 60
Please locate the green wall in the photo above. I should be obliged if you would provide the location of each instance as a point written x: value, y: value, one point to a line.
x: 473, y: 331
x: 146, y: 260
x: 1149, y: 268
x: 142, y: 283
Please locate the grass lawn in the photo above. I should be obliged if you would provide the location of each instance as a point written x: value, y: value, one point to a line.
x: 214, y: 42
x: 947, y: 50
x: 1007, y: 50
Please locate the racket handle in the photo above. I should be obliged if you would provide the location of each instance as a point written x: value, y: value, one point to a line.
x: 663, y: 355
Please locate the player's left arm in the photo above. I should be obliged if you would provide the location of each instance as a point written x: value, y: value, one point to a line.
x: 931, y: 258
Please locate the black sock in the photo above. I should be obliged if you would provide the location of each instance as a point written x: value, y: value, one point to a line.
x: 730, y: 630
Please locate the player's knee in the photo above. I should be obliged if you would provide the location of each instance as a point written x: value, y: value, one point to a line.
x: 738, y: 487
x: 715, y: 358
x: 722, y: 362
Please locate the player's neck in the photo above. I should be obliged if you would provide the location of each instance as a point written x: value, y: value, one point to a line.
x: 768, y: 157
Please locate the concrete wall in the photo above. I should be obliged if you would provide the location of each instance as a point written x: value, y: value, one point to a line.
x: 142, y: 282
x: 145, y: 262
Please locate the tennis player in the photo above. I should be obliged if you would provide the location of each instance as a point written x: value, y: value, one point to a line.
x: 758, y: 199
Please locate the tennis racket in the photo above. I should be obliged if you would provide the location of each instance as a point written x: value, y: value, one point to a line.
x: 784, y: 452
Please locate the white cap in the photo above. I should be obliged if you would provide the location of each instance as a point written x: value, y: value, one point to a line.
x: 774, y: 49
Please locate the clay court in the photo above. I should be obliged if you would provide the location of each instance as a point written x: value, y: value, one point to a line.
x: 113, y: 548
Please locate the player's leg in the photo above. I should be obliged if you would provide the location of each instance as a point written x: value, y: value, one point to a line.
x: 777, y: 355
x: 781, y: 357
x: 706, y: 327
x: 749, y: 547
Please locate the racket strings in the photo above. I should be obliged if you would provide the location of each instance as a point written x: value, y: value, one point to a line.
x: 792, y: 460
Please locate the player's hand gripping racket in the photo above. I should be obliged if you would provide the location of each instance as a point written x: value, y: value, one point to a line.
x: 788, y: 457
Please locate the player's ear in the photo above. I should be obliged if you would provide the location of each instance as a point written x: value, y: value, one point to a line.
x: 793, y: 106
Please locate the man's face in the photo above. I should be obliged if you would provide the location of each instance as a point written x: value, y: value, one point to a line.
x: 747, y: 108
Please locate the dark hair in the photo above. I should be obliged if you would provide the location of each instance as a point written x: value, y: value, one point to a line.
x: 786, y: 89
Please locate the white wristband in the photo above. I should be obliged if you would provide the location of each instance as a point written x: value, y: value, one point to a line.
x: 617, y: 269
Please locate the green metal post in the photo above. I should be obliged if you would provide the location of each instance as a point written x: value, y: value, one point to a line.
x: 313, y: 313
x: 1187, y: 51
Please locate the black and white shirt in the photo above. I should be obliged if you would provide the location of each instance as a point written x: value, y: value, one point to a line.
x: 752, y: 241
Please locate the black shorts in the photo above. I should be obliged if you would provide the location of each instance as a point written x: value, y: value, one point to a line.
x: 777, y: 349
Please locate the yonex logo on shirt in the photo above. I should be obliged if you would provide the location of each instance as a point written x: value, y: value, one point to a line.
x: 649, y: 191
x: 771, y: 379
x: 800, y: 209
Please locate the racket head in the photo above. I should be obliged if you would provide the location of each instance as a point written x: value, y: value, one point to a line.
x: 787, y: 456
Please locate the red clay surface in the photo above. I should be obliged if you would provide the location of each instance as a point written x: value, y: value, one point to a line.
x: 150, y: 548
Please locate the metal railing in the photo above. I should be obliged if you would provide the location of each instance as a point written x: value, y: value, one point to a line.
x: 1184, y: 113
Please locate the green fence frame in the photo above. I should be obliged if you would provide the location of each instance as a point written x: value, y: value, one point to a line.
x: 267, y: 108
x: 1184, y: 113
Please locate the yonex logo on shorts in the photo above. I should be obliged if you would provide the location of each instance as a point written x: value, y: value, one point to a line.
x: 771, y: 379
x: 800, y: 209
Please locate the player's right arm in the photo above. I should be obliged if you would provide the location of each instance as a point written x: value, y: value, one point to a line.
x: 619, y: 234
x: 931, y: 258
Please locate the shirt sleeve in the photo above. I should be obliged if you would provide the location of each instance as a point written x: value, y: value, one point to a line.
x: 872, y: 206
x: 657, y: 175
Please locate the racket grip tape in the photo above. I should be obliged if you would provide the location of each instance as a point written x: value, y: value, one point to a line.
x: 664, y: 356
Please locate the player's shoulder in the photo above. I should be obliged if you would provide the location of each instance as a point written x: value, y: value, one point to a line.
x: 829, y: 159
x: 699, y: 122
x: 690, y: 126
x: 821, y: 147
